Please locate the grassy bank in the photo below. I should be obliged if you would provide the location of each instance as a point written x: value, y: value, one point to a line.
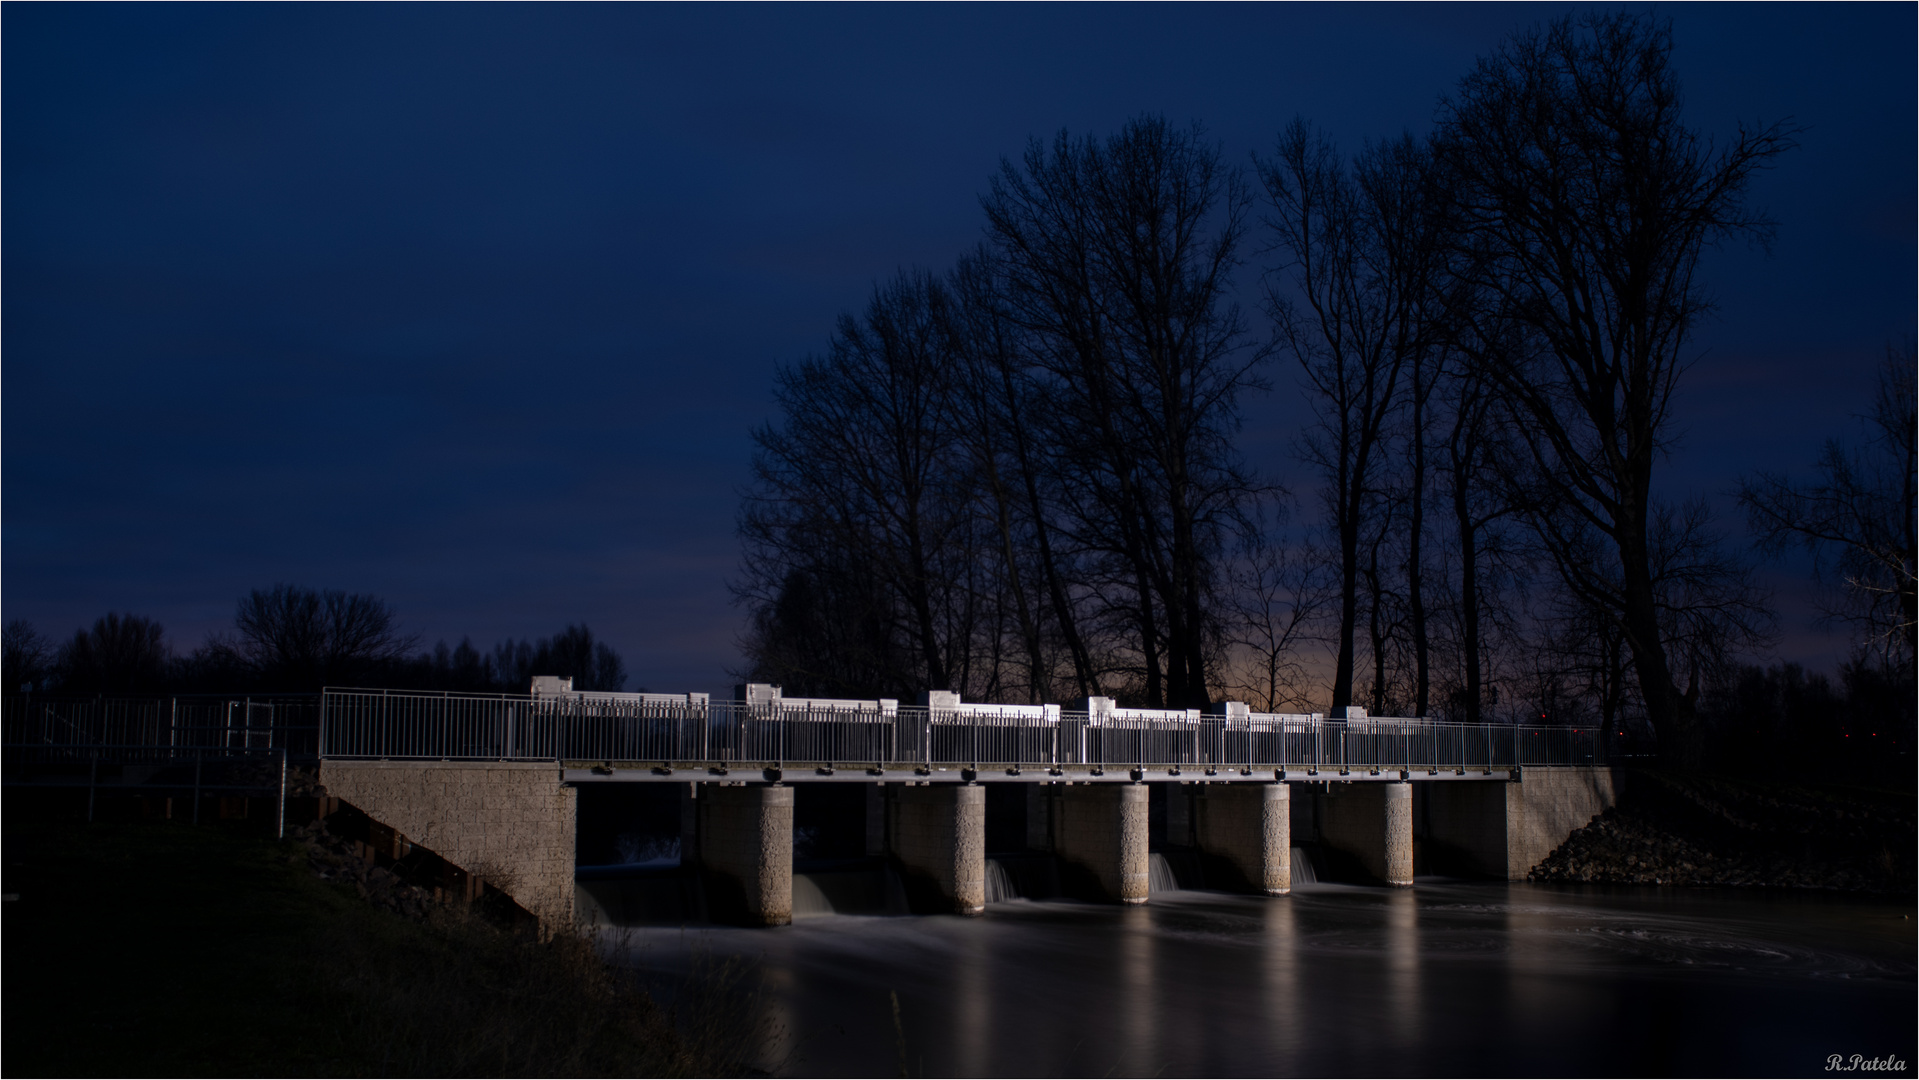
x: 160, y: 948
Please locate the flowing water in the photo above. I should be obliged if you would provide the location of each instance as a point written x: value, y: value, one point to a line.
x: 1448, y: 978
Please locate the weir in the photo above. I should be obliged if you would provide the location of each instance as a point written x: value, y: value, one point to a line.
x: 1114, y: 801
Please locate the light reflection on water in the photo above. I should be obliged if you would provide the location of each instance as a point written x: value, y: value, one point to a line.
x: 1446, y: 978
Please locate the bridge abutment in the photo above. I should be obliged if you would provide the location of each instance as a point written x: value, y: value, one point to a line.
x: 1373, y: 822
x: 939, y: 837
x: 1504, y: 828
x: 746, y: 847
x: 509, y: 823
x: 1103, y: 829
x: 1249, y: 825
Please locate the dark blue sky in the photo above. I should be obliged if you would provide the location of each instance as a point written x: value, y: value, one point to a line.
x: 474, y: 307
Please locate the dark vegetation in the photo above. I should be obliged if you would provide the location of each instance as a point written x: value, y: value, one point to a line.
x: 1674, y: 828
x: 1021, y: 478
x: 160, y: 948
x: 290, y: 639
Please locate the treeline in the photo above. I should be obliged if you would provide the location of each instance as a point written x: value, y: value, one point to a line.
x: 290, y: 639
x: 1022, y: 478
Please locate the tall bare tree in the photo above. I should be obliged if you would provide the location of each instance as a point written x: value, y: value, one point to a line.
x: 1118, y: 257
x: 1354, y: 302
x: 1587, y: 201
x: 865, y: 479
x: 1859, y: 515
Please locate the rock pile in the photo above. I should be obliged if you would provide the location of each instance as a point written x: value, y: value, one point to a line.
x: 1687, y: 830
x: 335, y: 858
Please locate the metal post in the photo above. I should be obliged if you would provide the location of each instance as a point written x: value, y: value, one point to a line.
x: 93, y: 775
x: 198, y: 760
x: 280, y: 827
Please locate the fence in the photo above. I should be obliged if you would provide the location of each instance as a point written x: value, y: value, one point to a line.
x: 665, y: 730
x: 289, y: 722
x: 149, y: 769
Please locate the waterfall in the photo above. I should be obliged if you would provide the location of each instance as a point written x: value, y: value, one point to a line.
x: 860, y: 887
x: 808, y: 898
x: 1303, y: 873
x: 999, y: 884
x: 1160, y: 876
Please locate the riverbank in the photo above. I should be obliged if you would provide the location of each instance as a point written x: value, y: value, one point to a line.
x: 161, y: 948
x: 1691, y: 829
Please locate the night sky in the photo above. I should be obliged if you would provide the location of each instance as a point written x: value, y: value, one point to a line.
x: 474, y: 307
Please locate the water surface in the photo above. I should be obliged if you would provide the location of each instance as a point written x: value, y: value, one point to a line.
x: 1448, y: 978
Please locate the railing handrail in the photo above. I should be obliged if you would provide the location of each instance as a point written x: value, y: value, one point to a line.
x: 405, y: 724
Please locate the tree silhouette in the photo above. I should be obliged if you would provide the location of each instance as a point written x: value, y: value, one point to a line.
x: 1585, y: 203
x: 300, y: 639
x: 121, y: 654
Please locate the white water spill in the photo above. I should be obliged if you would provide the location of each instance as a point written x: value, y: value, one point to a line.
x: 1302, y: 865
x: 854, y: 890
x: 999, y: 884
x: 1479, y: 978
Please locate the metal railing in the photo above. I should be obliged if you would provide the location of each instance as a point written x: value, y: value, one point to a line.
x: 289, y: 722
x: 664, y: 730
x: 195, y: 772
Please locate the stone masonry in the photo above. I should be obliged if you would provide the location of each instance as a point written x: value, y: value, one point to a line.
x: 1372, y: 821
x: 1250, y: 825
x: 746, y: 841
x: 1504, y: 828
x: 939, y: 834
x: 1103, y: 828
x: 510, y: 823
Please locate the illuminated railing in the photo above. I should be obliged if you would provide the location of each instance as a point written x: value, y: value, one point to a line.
x: 689, y: 730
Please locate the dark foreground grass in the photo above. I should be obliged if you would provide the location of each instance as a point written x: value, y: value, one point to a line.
x: 166, y: 949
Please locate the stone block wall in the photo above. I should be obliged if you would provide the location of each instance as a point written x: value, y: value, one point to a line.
x: 1373, y: 822
x: 746, y: 841
x: 1546, y: 806
x: 938, y: 834
x: 1103, y: 828
x: 510, y: 823
x: 1468, y: 817
x: 1505, y: 827
x: 1249, y: 825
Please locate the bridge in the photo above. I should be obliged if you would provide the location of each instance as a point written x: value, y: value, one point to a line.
x: 490, y: 782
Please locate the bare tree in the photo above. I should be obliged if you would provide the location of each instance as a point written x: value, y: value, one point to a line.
x: 865, y: 474
x: 26, y: 656
x: 1355, y: 304
x: 1117, y: 258
x: 1279, y: 595
x: 296, y: 638
x: 1859, y: 515
x: 1005, y: 425
x: 121, y: 654
x: 1586, y: 203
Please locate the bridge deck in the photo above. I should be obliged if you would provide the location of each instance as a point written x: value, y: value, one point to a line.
x: 579, y: 772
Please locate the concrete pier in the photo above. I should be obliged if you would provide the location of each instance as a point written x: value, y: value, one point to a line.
x: 746, y: 848
x: 1103, y: 830
x: 938, y: 834
x: 1373, y: 822
x: 1250, y: 826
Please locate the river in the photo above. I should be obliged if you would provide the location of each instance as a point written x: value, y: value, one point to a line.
x: 1447, y: 978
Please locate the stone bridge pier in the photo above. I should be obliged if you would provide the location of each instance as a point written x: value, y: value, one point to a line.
x: 1102, y: 830
x: 1250, y: 826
